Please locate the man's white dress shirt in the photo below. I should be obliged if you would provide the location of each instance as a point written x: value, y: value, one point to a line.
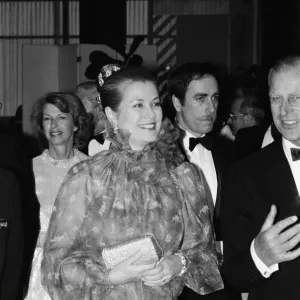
x: 95, y: 147
x: 202, y: 158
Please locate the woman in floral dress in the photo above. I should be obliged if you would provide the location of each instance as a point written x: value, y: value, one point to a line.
x: 60, y: 120
x: 141, y: 185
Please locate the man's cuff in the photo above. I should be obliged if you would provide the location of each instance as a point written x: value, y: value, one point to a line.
x: 262, y: 268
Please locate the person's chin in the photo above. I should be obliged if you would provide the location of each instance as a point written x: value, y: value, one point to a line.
x: 290, y: 134
x: 150, y: 138
x: 207, y: 129
x: 207, y: 125
x: 57, y: 141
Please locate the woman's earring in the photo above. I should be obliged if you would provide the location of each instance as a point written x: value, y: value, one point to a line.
x: 115, y: 127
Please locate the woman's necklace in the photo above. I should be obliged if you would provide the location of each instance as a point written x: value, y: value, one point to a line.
x: 55, y: 161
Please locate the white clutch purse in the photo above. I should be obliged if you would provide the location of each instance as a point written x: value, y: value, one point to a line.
x: 115, y: 254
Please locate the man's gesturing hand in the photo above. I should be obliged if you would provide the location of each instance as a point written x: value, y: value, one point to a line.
x: 273, y: 245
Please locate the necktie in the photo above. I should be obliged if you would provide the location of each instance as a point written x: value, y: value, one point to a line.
x: 205, y: 141
x: 295, y: 153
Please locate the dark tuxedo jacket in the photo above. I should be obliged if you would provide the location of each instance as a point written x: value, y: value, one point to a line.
x: 248, y: 140
x: 11, y: 235
x: 220, y: 153
x: 253, y: 185
x: 19, y: 201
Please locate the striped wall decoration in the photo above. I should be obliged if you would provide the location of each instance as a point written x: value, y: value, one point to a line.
x: 164, y: 37
x: 191, y: 7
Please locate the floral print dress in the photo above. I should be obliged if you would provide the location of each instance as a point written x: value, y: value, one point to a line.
x: 119, y: 195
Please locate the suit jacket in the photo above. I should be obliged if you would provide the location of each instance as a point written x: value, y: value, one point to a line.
x: 253, y: 185
x: 220, y: 153
x: 248, y: 140
x: 11, y: 235
x: 14, y: 158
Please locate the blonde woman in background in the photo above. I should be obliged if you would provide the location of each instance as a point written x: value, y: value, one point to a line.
x: 61, y: 123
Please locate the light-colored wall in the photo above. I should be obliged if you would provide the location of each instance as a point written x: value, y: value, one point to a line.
x: 46, y: 68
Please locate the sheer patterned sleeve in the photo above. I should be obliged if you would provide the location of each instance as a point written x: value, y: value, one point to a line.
x: 71, y: 267
x: 198, y: 245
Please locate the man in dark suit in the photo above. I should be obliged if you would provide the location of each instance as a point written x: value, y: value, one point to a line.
x: 11, y: 235
x: 246, y: 122
x: 11, y: 220
x: 261, y: 201
x: 19, y: 217
x: 194, y: 92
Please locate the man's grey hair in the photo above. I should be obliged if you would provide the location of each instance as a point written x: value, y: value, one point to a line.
x: 287, y: 63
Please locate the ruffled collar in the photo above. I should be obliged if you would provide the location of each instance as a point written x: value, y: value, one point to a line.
x: 61, y: 163
x: 165, y: 146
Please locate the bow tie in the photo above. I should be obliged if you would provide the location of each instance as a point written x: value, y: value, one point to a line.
x: 295, y: 153
x: 205, y: 141
x: 99, y: 138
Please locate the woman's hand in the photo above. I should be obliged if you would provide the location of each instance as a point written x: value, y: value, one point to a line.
x: 165, y: 270
x: 128, y: 271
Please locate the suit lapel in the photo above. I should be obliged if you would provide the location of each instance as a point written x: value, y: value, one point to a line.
x: 218, y: 168
x: 281, y: 183
x: 220, y: 165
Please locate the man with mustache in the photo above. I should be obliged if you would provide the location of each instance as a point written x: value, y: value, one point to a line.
x: 194, y: 93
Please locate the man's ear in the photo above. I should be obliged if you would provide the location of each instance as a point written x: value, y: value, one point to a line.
x: 88, y: 105
x: 111, y: 116
x: 249, y: 120
x: 176, y: 103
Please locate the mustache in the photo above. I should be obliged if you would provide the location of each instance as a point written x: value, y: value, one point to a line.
x: 210, y: 117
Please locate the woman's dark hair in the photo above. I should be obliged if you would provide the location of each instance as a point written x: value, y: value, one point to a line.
x: 66, y: 103
x: 111, y: 93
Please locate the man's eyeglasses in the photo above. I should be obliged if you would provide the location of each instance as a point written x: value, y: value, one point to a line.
x: 236, y: 115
